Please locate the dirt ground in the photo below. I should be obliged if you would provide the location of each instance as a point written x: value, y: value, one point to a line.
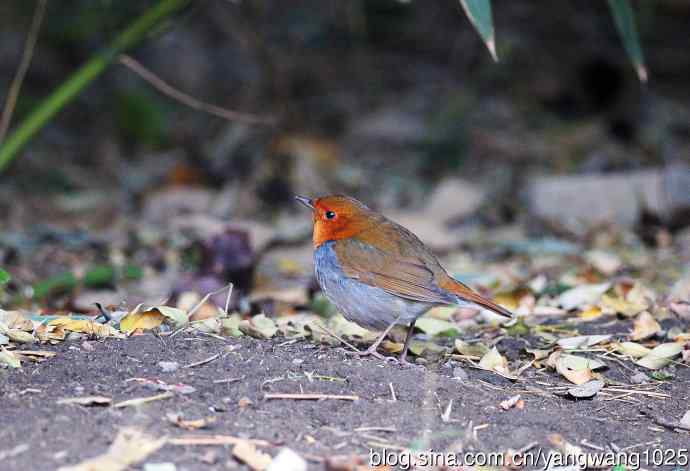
x: 45, y: 435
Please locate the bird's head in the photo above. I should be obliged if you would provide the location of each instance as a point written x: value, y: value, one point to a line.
x: 337, y: 217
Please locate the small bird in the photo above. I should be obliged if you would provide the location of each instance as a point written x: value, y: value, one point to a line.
x: 376, y: 272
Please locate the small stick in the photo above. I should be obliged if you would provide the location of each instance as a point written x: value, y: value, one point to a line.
x: 644, y: 393
x: 393, y: 396
x: 311, y: 397
x: 208, y: 295
x: 663, y: 422
x: 215, y: 440
x: 344, y: 342
x: 376, y: 429
x: 227, y: 380
x: 203, y: 362
x: 177, y: 95
x: 143, y: 400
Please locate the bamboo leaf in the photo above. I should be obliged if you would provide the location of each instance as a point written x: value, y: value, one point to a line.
x: 83, y: 76
x: 624, y: 18
x: 479, y: 13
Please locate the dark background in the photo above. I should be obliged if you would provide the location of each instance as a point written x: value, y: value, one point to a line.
x: 363, y: 86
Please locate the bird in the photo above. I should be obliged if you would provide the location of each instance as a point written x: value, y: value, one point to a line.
x: 378, y: 273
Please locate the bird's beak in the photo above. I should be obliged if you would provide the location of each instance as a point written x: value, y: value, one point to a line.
x: 305, y: 201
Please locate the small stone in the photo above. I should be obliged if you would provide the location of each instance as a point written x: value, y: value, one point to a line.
x: 297, y: 361
x: 168, y: 366
x: 460, y: 374
x: 639, y: 378
x: 287, y: 460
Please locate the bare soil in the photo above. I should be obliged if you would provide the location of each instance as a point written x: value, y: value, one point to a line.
x: 58, y: 435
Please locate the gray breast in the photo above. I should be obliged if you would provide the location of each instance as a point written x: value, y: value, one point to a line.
x: 368, y: 306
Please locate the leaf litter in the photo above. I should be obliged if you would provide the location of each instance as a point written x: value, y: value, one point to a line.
x: 578, y: 322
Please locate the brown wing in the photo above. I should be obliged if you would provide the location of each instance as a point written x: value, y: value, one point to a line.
x: 401, y: 275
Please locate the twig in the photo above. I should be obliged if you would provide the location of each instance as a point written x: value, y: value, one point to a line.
x: 143, y: 400
x: 227, y: 380
x: 664, y: 422
x: 375, y: 429
x: 229, y: 287
x: 203, y: 362
x: 393, y: 396
x: 335, y: 336
x: 632, y: 391
x: 311, y: 397
x: 27, y: 55
x: 188, y: 100
x: 216, y: 440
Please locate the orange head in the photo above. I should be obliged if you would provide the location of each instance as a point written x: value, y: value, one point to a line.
x: 337, y: 217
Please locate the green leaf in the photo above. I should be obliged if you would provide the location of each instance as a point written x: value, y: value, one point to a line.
x: 4, y: 277
x: 479, y: 13
x: 624, y: 17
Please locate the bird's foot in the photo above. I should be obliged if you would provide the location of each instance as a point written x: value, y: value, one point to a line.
x: 371, y: 351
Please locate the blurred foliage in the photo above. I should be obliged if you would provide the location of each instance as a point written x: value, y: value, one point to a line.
x: 142, y: 116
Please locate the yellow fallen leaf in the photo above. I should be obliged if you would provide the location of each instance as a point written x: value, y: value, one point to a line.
x: 590, y: 314
x: 85, y: 326
x: 141, y: 320
x: 246, y: 452
x: 131, y: 446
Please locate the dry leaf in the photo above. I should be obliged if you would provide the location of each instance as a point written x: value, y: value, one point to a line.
x: 19, y: 336
x: 152, y: 317
x: 204, y: 422
x: 10, y: 359
x: 259, y: 326
x: 645, y: 326
x: 632, y: 349
x: 660, y: 356
x: 583, y: 295
x: 246, y: 452
x: 131, y: 446
x: 85, y: 326
x: 582, y: 341
x: 511, y: 402
x: 494, y: 361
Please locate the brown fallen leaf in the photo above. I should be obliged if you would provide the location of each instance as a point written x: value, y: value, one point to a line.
x: 205, y: 422
x: 511, y: 402
x: 130, y: 446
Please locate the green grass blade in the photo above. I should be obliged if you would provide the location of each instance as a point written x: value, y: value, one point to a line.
x: 83, y: 76
x: 624, y: 17
x: 479, y: 13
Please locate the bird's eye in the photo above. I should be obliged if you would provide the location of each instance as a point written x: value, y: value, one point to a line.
x: 330, y: 214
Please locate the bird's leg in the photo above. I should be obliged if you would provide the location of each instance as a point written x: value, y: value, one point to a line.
x: 371, y: 351
x: 406, y: 347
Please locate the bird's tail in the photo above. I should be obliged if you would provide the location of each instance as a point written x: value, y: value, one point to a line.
x: 467, y: 294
